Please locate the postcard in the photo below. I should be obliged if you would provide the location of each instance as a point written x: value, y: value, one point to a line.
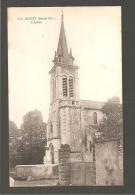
x: 65, y: 96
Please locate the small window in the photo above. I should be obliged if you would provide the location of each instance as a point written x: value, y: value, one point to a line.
x: 65, y: 86
x: 95, y: 118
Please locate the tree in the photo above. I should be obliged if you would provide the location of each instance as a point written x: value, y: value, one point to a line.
x: 111, y: 125
x: 32, y: 120
x: 12, y: 127
x: 33, y: 142
x: 12, y: 144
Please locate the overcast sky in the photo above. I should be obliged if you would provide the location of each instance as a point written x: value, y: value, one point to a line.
x: 93, y: 33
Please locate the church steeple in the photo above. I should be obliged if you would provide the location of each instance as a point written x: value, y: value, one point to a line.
x: 62, y: 50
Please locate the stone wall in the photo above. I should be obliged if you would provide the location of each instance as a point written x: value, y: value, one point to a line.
x: 108, y: 171
x: 64, y: 165
x: 35, y: 172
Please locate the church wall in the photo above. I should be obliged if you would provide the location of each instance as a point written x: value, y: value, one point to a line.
x: 87, y: 116
x: 75, y: 129
x: 51, y: 90
x: 70, y: 127
x: 64, y: 125
x: 52, y: 130
x: 59, y: 83
x: 52, y: 87
x: 54, y: 119
x: 87, y: 120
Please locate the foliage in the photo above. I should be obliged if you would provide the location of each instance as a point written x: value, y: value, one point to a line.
x: 32, y: 146
x: 32, y: 121
x: 12, y: 127
x: 13, y: 143
x: 111, y: 125
x: 27, y: 145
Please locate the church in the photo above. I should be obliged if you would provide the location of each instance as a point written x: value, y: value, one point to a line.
x: 72, y: 121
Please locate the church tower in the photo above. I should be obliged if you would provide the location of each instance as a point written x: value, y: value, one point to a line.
x: 64, y: 126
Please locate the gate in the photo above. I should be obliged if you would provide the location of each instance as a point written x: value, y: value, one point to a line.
x: 82, y: 174
x: 75, y: 173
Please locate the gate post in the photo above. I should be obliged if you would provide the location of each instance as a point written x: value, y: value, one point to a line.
x: 64, y: 165
x: 94, y: 162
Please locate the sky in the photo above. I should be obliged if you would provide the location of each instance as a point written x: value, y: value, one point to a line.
x: 93, y: 33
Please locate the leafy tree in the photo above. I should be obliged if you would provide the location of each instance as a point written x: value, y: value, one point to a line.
x: 12, y: 144
x: 33, y: 142
x: 111, y: 125
x: 12, y: 127
x: 32, y: 120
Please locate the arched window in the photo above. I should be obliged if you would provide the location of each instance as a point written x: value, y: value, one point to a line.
x: 95, y: 117
x: 71, y: 92
x: 65, y: 91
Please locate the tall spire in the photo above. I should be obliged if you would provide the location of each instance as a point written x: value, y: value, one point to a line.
x: 62, y: 50
x: 62, y: 15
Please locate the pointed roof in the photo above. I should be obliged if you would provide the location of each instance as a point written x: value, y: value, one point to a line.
x: 62, y: 50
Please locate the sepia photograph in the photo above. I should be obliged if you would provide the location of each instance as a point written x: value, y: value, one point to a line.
x: 65, y: 96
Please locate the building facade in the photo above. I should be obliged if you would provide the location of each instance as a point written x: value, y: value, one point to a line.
x: 71, y: 120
